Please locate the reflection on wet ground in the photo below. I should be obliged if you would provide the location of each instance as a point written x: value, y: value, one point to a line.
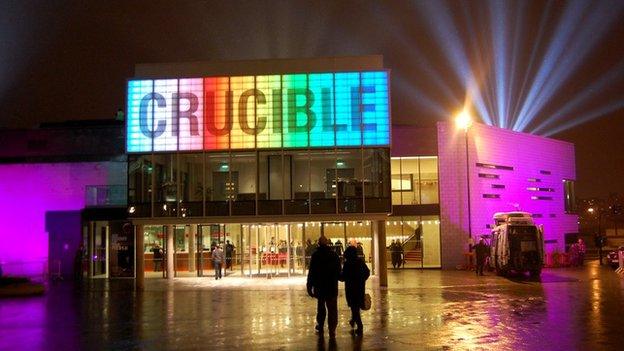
x: 575, y: 309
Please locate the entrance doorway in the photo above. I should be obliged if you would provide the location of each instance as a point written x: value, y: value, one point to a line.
x: 254, y: 250
x: 273, y: 250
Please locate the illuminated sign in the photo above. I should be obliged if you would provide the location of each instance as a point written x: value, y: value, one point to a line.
x: 343, y: 109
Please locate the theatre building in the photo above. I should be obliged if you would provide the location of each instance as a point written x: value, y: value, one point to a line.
x: 267, y: 156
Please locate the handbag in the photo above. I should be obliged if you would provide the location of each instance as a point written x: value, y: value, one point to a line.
x: 366, y: 304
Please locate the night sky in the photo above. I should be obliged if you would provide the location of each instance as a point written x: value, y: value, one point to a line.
x: 62, y: 61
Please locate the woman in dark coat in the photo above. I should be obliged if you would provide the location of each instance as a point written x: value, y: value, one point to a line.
x: 354, y: 275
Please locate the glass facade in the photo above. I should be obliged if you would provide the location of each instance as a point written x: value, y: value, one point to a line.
x: 415, y: 180
x: 265, y: 182
x: 251, y: 250
x: 419, y: 237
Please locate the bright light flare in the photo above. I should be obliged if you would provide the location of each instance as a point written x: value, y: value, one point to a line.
x: 463, y: 120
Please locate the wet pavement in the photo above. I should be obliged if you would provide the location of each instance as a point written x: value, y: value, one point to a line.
x: 569, y: 309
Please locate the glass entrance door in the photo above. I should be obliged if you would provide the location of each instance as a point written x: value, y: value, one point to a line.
x: 297, y: 249
x: 99, y: 245
x: 273, y: 240
x: 202, y: 250
x: 270, y: 250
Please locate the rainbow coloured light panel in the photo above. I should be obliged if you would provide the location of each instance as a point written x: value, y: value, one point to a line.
x: 343, y: 109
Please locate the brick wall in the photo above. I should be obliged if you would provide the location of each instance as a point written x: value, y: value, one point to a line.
x: 508, y: 171
x: 30, y: 193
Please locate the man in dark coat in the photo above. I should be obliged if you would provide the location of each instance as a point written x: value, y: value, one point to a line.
x: 229, y: 252
x: 394, y: 254
x: 158, y: 257
x: 322, y: 284
x: 481, y: 251
x: 354, y: 274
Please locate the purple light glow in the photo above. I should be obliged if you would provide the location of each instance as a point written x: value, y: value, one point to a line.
x: 530, y: 157
x: 28, y: 191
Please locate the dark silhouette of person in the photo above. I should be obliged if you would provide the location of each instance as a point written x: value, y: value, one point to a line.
x: 322, y: 284
x: 339, y: 248
x: 309, y: 250
x: 360, y: 251
x: 394, y: 253
x: 481, y: 251
x: 158, y: 257
x: 229, y: 251
x: 354, y: 275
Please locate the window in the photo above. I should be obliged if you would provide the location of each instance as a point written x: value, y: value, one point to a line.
x: 217, y: 184
x: 323, y: 181
x: 166, y: 186
x: 349, y: 180
x: 242, y: 183
x: 192, y: 184
x: 297, y: 198
x: 414, y: 180
x: 140, y: 185
x: 429, y: 180
x: 410, y: 167
x: 271, y: 182
x: 266, y: 182
x: 377, y: 180
x: 396, y: 177
x: 402, y: 182
x: 569, y: 196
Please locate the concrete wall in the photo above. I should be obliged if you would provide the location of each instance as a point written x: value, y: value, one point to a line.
x: 413, y: 141
x: 524, y: 156
x: 30, y: 193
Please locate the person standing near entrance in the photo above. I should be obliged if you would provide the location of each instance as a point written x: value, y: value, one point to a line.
x: 354, y: 275
x: 322, y: 284
x: 229, y: 251
x: 158, y: 257
x: 394, y: 254
x: 217, y: 261
x: 360, y: 251
x: 481, y: 251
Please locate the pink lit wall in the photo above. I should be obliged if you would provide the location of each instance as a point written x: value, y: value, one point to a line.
x: 28, y: 192
x: 516, y: 171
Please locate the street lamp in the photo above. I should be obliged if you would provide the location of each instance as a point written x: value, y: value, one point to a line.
x: 463, y: 120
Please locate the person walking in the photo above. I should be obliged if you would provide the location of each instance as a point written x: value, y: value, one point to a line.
x: 354, y: 274
x: 217, y: 261
x: 481, y: 251
x: 322, y: 284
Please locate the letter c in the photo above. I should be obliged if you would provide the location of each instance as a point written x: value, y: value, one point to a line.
x: 162, y: 125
